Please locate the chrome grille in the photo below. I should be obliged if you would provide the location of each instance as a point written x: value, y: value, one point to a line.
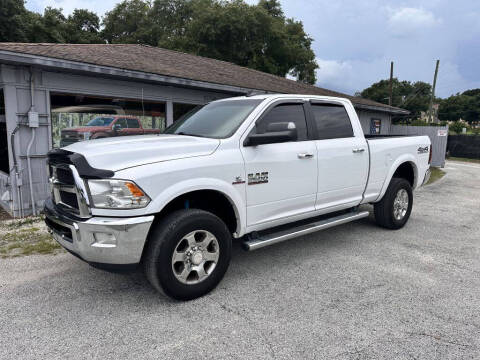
x: 68, y: 189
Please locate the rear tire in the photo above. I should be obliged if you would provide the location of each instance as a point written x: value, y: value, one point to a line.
x: 393, y: 211
x: 187, y: 254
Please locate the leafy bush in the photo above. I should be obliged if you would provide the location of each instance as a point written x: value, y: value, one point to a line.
x: 457, y: 127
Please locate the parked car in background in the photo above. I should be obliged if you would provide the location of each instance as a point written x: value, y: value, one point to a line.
x: 103, y: 127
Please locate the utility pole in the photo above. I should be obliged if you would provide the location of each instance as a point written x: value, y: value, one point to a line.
x: 433, y: 92
x: 391, y: 84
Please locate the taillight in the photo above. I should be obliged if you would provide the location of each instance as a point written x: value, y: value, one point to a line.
x: 430, y: 155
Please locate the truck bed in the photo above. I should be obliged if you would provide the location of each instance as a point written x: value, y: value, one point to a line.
x: 386, y: 152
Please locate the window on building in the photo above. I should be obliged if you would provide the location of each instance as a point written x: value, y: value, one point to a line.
x: 179, y: 110
x: 375, y: 126
x: 285, y: 113
x: 332, y: 121
x: 4, y: 164
x: 81, y: 117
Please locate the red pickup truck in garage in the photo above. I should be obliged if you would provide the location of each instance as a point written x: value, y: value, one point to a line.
x: 105, y: 126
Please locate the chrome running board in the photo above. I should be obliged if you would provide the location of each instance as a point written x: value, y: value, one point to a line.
x: 257, y: 242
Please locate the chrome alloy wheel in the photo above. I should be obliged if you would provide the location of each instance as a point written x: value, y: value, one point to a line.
x: 195, y: 257
x: 400, y: 204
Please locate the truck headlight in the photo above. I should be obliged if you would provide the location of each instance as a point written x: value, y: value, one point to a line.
x: 117, y: 194
x: 86, y: 135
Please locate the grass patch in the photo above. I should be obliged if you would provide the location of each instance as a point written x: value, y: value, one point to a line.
x: 435, y: 174
x: 476, y: 161
x: 46, y: 246
x: 21, y: 239
x: 24, y: 222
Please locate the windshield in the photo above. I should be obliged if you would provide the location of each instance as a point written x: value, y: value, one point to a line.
x: 217, y: 120
x: 100, y: 121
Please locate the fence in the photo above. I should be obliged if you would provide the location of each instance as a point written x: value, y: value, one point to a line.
x: 467, y: 146
x: 438, y: 136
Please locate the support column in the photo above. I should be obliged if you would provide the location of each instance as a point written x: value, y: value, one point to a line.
x: 11, y: 108
x: 169, y: 112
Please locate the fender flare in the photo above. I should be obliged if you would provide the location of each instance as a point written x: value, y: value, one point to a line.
x: 187, y: 186
x: 406, y: 158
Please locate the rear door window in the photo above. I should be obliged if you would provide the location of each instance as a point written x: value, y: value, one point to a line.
x: 122, y: 122
x: 332, y: 121
x: 133, y: 123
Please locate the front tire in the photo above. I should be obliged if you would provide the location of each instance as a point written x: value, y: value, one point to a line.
x: 393, y: 211
x: 187, y: 254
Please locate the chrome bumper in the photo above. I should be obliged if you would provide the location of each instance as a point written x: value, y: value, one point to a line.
x: 427, y: 176
x: 103, y: 240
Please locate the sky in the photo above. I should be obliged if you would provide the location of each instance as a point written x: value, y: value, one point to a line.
x: 354, y: 41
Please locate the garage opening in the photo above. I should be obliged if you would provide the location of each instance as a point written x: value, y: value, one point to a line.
x: 4, y: 164
x: 181, y: 109
x: 77, y: 117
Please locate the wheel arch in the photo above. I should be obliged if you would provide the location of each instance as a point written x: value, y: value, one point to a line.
x: 405, y: 168
x: 223, y: 206
x: 213, y: 193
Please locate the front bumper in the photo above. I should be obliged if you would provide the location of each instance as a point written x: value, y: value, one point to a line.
x: 102, y: 240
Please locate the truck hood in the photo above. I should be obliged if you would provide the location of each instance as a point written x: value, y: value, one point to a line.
x: 123, y: 152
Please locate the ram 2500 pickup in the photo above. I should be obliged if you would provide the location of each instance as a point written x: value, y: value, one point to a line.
x: 105, y: 126
x: 260, y: 169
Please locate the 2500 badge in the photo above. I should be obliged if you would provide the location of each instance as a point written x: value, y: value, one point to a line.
x: 258, y: 178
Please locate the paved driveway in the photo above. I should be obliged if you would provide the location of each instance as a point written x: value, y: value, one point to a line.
x: 354, y: 292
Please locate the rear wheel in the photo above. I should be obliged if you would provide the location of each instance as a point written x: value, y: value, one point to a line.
x: 188, y: 254
x: 393, y: 211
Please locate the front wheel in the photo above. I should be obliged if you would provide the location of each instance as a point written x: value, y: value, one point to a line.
x: 188, y: 254
x: 393, y: 211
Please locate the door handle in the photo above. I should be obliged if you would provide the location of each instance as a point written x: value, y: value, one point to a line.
x: 305, y: 156
x: 358, y: 150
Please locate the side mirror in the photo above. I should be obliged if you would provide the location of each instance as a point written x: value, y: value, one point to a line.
x: 117, y: 127
x: 275, y: 133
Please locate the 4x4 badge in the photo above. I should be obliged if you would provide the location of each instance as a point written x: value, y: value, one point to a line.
x: 238, y: 180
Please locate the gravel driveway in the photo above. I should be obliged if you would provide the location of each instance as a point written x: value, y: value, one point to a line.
x: 352, y: 292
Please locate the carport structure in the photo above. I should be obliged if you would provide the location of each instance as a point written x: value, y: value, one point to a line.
x: 65, y: 85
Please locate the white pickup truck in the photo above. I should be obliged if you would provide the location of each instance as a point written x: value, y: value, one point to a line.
x: 260, y: 169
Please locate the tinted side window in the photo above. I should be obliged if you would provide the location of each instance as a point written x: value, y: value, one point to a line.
x: 133, y: 123
x: 122, y: 122
x: 332, y: 121
x: 285, y: 113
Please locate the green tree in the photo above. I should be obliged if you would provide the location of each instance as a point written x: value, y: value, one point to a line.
x: 414, y: 97
x: 168, y: 19
x: 464, y: 106
x: 12, y: 21
x: 128, y: 22
x: 457, y: 127
x: 83, y: 27
x: 255, y: 36
x: 473, y: 92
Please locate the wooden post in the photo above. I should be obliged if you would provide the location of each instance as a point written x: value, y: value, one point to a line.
x: 430, y: 118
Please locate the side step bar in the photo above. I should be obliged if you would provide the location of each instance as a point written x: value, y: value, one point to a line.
x: 254, y: 243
